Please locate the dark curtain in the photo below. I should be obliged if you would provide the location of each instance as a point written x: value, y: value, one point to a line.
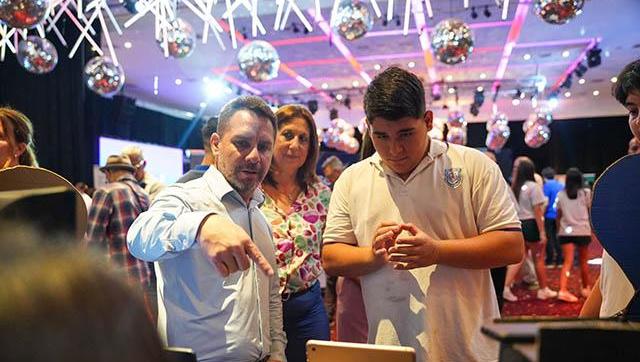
x: 59, y: 106
x: 590, y: 144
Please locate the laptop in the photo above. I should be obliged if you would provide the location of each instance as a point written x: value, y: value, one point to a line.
x: 326, y: 351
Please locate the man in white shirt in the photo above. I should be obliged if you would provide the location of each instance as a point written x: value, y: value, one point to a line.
x: 213, y: 247
x: 421, y: 222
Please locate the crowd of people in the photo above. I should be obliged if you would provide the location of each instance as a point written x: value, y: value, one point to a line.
x: 228, y: 260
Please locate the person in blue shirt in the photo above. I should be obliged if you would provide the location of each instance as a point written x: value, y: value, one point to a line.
x: 209, y: 128
x: 551, y: 188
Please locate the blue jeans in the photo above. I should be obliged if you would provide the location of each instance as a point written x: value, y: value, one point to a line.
x: 304, y: 318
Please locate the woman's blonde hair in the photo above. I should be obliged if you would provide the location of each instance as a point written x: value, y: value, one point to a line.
x: 22, y: 133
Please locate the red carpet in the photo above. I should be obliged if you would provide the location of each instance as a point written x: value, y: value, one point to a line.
x: 529, y: 305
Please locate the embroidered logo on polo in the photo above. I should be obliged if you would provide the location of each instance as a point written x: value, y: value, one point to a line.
x: 453, y: 177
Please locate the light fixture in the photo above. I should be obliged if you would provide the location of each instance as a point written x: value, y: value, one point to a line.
x: 527, y: 56
x: 553, y: 102
x: 515, y: 101
x: 480, y: 89
x: 449, y: 78
x: 178, y: 81
x: 347, y: 102
x: 215, y: 88
x: 355, y: 83
x: 376, y: 66
x: 582, y: 81
x: 411, y: 64
x: 486, y: 11
x: 593, y: 57
x: 203, y: 104
x: 565, y: 54
x: 474, y: 14
x: 567, y: 94
x: 567, y: 81
x: 324, y: 86
x: 596, y: 93
x: 483, y: 76
x: 614, y: 79
x: 581, y: 69
x: 451, y: 90
x: 339, y: 96
x: 127, y: 45
x: 534, y: 102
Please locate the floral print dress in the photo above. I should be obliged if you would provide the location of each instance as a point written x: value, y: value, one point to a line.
x: 297, y: 234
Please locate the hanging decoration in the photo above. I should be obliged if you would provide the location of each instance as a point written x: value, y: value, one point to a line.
x: 103, y: 76
x: 452, y: 41
x: 285, y: 7
x: 23, y: 14
x: 457, y: 135
x: 37, y: 55
x: 252, y: 7
x: 259, y: 61
x: 352, y: 19
x: 181, y: 39
x: 498, y: 131
x: 558, y: 12
x: 456, y: 120
x: 340, y: 135
x: 536, y: 128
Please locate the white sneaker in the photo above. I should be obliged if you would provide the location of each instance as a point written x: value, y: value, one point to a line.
x: 546, y: 293
x: 508, y: 295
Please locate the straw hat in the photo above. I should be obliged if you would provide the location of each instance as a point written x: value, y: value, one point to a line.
x: 118, y: 162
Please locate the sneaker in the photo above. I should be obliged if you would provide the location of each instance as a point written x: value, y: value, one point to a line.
x: 508, y: 295
x: 585, y: 292
x: 566, y: 296
x: 546, y: 293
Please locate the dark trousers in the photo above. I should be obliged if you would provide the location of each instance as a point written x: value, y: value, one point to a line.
x: 330, y: 297
x: 497, y: 276
x: 554, y: 251
x: 304, y: 318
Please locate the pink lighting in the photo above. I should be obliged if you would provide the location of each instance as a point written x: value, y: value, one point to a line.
x: 425, y: 44
x: 514, y: 33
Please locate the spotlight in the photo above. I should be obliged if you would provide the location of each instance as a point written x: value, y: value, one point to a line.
x: 474, y: 110
x: 398, y: 23
x: 593, y: 57
x: 132, y: 6
x: 313, y: 106
x: 478, y: 97
x: 436, y: 92
x: 581, y: 69
x: 294, y: 28
x: 347, y: 102
x: 474, y: 14
x: 486, y: 11
x: 567, y: 81
x: 384, y: 21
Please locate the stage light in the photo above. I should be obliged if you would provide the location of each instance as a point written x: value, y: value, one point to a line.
x: 294, y: 28
x: 436, y: 92
x: 127, y: 44
x: 474, y: 110
x: 451, y: 90
x: 377, y: 66
x: 203, y: 104
x: 480, y: 89
x: 614, y: 80
x: 567, y: 94
x: 567, y: 81
x: 565, y: 54
x: 339, y: 96
x: 582, y: 81
x: 474, y: 14
x: 581, y: 69
x: 313, y: 106
x: 478, y: 97
x: 411, y: 64
x: 527, y: 56
x: 593, y: 57
x: 596, y: 93
x: 515, y: 101
x: 483, y: 76
x: 355, y: 84
x: 324, y: 86
x: 133, y: 6
x: 178, y: 81
x: 486, y: 12
x: 553, y: 102
x: 215, y: 88
x: 347, y: 102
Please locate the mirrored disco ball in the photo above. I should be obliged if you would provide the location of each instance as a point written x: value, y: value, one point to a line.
x: 498, y: 136
x: 457, y: 135
x: 37, y: 55
x: 456, y: 120
x: 181, y: 39
x: 558, y: 11
x: 103, y: 76
x: 452, y: 41
x: 352, y: 19
x: 259, y: 61
x: 539, y: 117
x: 497, y: 119
x: 23, y: 13
x: 537, y: 136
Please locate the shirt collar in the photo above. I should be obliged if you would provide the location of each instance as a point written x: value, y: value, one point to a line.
x: 201, y: 167
x: 220, y: 188
x: 127, y: 178
x: 436, y: 149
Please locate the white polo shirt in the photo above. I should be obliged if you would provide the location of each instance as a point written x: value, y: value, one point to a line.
x: 454, y: 193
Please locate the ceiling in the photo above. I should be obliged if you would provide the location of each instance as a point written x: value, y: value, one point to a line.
x: 612, y: 23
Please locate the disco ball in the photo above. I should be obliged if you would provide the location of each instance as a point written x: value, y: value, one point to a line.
x: 497, y: 119
x: 539, y: 117
x: 37, y: 55
x: 352, y: 19
x: 23, y: 13
x: 259, y: 61
x: 558, y: 11
x: 498, y: 136
x: 452, y: 41
x: 181, y: 39
x: 457, y: 135
x: 103, y: 76
x: 456, y: 120
x: 537, y: 136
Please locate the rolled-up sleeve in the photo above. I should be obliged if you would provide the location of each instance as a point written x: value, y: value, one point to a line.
x: 169, y: 227
x: 278, y: 337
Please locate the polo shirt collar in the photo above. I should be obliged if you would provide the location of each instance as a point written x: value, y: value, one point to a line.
x: 436, y: 149
x: 221, y: 188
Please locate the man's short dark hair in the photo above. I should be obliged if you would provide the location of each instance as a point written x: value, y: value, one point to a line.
x: 210, y: 127
x: 628, y: 81
x: 393, y: 94
x: 548, y: 173
x: 250, y: 103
